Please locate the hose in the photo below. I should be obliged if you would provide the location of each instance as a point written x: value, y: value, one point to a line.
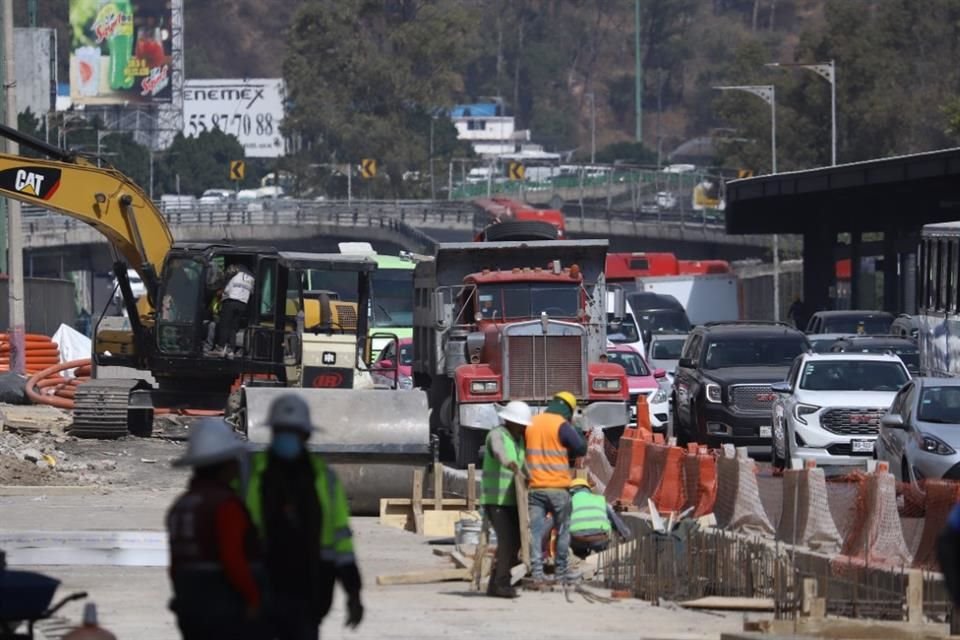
x: 47, y: 386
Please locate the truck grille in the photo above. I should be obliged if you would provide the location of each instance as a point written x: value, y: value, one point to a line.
x: 752, y: 397
x: 852, y: 422
x: 543, y: 365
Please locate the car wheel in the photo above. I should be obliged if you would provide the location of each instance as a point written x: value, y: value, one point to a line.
x: 778, y: 461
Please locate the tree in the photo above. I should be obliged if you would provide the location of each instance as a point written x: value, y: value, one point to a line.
x: 364, y: 76
x: 198, y: 163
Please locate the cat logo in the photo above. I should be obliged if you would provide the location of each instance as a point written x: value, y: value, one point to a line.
x: 36, y: 182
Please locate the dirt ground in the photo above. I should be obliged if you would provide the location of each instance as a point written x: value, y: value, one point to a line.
x: 128, y: 485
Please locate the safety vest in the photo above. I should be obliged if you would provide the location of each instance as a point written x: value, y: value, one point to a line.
x: 336, y: 539
x: 588, y: 513
x: 547, y: 458
x: 498, y: 485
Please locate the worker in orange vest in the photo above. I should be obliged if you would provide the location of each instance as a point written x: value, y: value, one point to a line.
x: 551, y: 442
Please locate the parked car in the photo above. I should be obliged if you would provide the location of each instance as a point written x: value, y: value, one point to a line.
x: 174, y: 202
x: 722, y: 391
x: 642, y: 380
x: 389, y: 371
x: 905, y: 348
x: 920, y: 434
x: 850, y: 322
x: 664, y: 352
x: 830, y: 405
x: 215, y: 196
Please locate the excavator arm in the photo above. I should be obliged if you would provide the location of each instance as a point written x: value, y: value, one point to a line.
x: 104, y: 198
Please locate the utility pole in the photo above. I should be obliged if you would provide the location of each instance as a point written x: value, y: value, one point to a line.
x: 638, y: 71
x: 593, y: 127
x: 14, y: 229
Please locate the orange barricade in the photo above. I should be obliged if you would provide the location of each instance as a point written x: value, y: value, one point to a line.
x: 643, y: 416
x: 941, y: 496
x: 655, y: 457
x: 670, y: 495
x: 700, y: 468
x: 638, y: 463
x: 876, y: 535
x: 621, y: 470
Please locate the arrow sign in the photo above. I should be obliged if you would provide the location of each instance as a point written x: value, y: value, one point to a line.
x: 516, y: 171
x: 368, y: 167
x: 237, y: 169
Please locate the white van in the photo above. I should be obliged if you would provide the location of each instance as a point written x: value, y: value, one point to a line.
x: 626, y: 331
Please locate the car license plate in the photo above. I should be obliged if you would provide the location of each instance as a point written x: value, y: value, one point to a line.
x: 861, y: 446
x: 766, y: 432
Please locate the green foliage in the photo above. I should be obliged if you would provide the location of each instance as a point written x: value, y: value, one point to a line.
x: 201, y: 162
x: 627, y: 152
x: 363, y: 76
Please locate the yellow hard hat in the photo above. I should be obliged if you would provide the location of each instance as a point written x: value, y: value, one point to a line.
x: 567, y: 397
x: 580, y: 482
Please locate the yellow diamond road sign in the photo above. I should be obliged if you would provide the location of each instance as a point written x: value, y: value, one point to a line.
x: 515, y: 171
x: 368, y: 167
x: 237, y: 168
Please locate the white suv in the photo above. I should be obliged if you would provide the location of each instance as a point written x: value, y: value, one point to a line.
x: 830, y: 405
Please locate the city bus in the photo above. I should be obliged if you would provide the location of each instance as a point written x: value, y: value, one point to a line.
x: 938, y: 307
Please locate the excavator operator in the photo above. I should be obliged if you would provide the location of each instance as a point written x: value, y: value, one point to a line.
x: 233, y: 308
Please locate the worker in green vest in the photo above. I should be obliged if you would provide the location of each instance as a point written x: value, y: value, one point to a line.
x: 503, y: 458
x: 300, y: 510
x: 591, y: 520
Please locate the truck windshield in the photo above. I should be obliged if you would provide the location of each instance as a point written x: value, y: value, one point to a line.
x: 524, y: 300
x: 392, y: 298
x: 663, y: 321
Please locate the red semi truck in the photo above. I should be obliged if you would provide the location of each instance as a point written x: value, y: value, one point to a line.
x: 499, y: 219
x: 501, y: 321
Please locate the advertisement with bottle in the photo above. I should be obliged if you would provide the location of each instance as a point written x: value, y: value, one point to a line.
x: 120, y: 51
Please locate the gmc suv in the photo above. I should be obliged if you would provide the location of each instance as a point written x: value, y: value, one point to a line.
x: 722, y: 390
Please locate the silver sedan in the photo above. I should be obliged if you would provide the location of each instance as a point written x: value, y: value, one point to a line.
x: 920, y: 433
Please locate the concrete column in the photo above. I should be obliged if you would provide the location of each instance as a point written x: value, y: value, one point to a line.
x: 855, y: 241
x: 818, y: 267
x: 908, y: 282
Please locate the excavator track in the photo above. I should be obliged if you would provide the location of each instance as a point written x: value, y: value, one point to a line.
x: 101, y: 409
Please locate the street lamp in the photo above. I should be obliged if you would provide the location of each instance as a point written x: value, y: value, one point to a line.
x: 593, y: 127
x: 827, y: 71
x: 767, y: 93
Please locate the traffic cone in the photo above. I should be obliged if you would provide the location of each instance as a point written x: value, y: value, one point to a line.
x: 643, y: 416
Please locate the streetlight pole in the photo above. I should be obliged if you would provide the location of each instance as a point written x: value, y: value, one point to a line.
x: 827, y: 71
x: 767, y: 93
x: 638, y: 71
x: 14, y: 229
x: 593, y: 127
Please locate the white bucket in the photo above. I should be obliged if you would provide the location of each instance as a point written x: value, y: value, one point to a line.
x: 467, y: 532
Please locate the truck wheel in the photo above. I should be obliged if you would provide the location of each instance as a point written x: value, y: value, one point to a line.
x: 523, y: 230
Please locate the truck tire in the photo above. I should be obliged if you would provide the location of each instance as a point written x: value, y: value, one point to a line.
x: 522, y: 230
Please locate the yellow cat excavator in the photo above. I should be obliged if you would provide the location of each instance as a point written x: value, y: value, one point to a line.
x: 295, y: 340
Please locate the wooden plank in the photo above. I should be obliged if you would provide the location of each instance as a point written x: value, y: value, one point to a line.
x: 476, y: 569
x: 458, y: 504
x: 442, y: 524
x: 423, y: 577
x: 523, y: 511
x: 730, y: 604
x: 915, y: 596
x: 460, y: 560
x: 437, y: 486
x: 471, y: 487
x: 417, y: 500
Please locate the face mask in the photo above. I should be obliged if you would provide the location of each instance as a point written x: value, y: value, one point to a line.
x: 286, y: 445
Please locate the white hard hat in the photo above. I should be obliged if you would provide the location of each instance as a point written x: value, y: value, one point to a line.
x: 517, y: 412
x: 290, y: 411
x: 212, y: 441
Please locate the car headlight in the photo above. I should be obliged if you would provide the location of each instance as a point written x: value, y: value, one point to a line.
x: 804, y: 410
x: 660, y: 396
x: 936, y: 445
x: 713, y: 393
x: 484, y: 386
x: 606, y: 384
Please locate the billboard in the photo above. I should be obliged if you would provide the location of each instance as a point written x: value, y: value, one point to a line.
x: 250, y: 109
x: 35, y: 87
x: 120, y: 51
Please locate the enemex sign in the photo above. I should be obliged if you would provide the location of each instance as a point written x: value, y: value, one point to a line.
x: 36, y: 182
x: 250, y: 109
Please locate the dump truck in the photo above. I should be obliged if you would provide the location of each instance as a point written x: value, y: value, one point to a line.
x: 501, y: 321
x: 294, y: 340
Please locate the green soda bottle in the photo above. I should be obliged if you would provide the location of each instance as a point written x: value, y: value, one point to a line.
x: 119, y: 15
